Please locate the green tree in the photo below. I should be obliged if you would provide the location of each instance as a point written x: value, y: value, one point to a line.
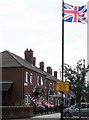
x: 77, y: 79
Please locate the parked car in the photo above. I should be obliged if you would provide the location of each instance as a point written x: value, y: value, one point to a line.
x: 58, y: 107
x: 74, y: 111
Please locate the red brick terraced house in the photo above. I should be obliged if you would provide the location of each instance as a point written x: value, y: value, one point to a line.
x: 20, y: 76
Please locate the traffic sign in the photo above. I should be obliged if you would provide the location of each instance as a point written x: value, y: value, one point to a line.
x: 62, y: 86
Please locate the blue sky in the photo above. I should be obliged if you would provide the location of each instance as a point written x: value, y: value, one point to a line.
x: 36, y: 25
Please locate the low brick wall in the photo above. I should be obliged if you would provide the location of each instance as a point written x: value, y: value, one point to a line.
x: 17, y: 112
x: 76, y: 119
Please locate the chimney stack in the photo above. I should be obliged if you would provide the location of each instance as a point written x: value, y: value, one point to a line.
x: 29, y: 55
x: 42, y: 65
x: 55, y: 74
x: 49, y: 70
x: 34, y: 61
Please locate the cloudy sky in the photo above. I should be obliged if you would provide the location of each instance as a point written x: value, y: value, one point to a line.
x: 36, y: 25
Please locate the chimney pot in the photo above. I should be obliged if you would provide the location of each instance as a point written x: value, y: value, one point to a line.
x: 29, y: 55
x: 49, y: 70
x: 34, y: 61
x: 55, y: 74
x: 42, y: 65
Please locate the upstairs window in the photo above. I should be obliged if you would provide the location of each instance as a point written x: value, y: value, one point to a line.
x: 31, y: 77
x: 53, y: 86
x: 42, y: 81
x: 45, y: 84
x: 38, y: 80
x: 26, y: 76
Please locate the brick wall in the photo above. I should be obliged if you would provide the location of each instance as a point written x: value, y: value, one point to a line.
x: 17, y: 111
x: 16, y: 93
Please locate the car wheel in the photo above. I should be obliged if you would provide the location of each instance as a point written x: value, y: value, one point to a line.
x: 67, y: 114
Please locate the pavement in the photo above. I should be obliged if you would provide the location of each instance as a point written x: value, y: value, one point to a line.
x: 47, y: 116
x: 54, y: 116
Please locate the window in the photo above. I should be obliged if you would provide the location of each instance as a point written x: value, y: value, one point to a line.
x: 38, y: 80
x: 45, y: 83
x: 30, y: 77
x: 87, y: 105
x: 50, y: 84
x: 27, y: 99
x: 42, y: 81
x: 83, y: 105
x: 26, y: 77
x: 53, y: 86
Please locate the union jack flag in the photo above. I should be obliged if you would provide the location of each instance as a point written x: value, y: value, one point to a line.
x: 74, y: 13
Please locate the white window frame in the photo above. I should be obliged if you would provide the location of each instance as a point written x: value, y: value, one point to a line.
x: 50, y: 83
x: 31, y: 76
x: 27, y: 100
x: 38, y: 80
x: 53, y: 85
x: 42, y: 83
x: 45, y: 83
x: 26, y: 76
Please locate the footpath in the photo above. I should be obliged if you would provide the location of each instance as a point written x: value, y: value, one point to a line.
x: 54, y: 116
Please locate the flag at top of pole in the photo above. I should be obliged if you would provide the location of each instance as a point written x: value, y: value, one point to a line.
x: 70, y: 14
x: 74, y: 13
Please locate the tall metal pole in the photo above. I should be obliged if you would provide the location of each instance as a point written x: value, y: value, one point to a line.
x: 62, y: 55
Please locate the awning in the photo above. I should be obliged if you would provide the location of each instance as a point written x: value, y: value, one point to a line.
x: 37, y: 91
x: 5, y: 85
x: 51, y: 93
